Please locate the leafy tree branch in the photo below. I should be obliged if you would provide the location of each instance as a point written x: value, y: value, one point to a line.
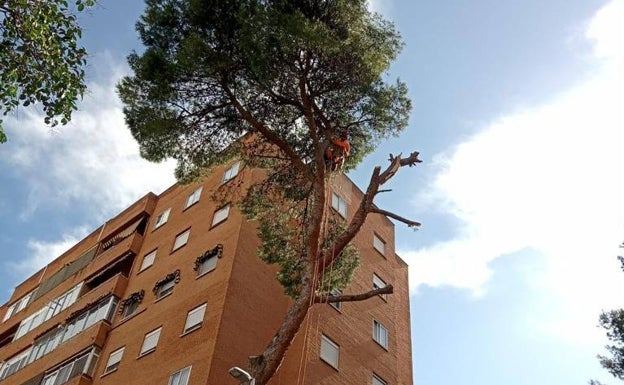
x: 41, y: 62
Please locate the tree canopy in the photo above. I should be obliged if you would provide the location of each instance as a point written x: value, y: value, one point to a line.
x: 613, y: 322
x: 273, y: 82
x: 40, y: 59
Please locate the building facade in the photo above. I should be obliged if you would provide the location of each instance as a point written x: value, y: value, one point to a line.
x: 171, y: 292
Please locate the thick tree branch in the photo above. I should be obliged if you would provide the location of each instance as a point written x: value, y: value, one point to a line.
x: 366, y: 206
x: 324, y: 119
x: 399, y: 218
x: 388, y: 289
x: 318, y: 204
x: 266, y: 132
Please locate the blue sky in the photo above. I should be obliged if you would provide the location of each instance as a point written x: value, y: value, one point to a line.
x: 518, y: 116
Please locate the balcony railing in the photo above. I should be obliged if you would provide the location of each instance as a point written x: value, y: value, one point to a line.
x: 103, y: 310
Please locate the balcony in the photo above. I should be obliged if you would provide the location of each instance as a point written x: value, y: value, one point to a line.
x: 129, y: 245
x: 94, y: 335
x: 82, y: 379
x: 115, y: 285
x: 141, y: 207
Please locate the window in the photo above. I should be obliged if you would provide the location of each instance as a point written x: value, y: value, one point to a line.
x: 380, y: 334
x: 378, y: 381
x: 180, y: 377
x: 336, y: 305
x: 165, y: 289
x: 181, y: 239
x: 379, y: 244
x: 378, y: 283
x: 193, y: 198
x: 46, y: 343
x: 30, y: 323
x: 339, y: 204
x: 148, y: 260
x: 130, y: 308
x: 113, y: 360
x: 208, y: 265
x: 129, y: 305
x: 48, y: 311
x: 165, y: 286
x: 103, y: 310
x: 150, y: 341
x: 161, y: 219
x: 231, y: 172
x: 83, y: 363
x: 14, y: 364
x: 18, y: 306
x: 194, y: 318
x: 9, y: 312
x: 329, y: 351
x: 207, y: 262
x: 221, y: 215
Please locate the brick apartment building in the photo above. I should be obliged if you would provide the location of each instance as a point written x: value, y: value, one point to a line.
x: 171, y: 292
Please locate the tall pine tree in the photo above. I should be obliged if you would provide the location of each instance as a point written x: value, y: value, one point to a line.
x: 273, y: 83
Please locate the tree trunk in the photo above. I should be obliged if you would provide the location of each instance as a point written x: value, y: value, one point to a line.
x: 263, y: 367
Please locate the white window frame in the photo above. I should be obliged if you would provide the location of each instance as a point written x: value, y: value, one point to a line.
x: 378, y: 381
x: 339, y: 204
x: 14, y: 364
x: 18, y: 306
x: 378, y: 283
x: 231, y: 172
x: 162, y: 218
x: 150, y: 342
x: 328, y: 349
x: 181, y: 377
x: 103, y: 310
x: 221, y: 215
x: 46, y: 343
x: 48, y: 311
x: 113, y: 360
x: 194, y: 197
x: 380, y: 334
x: 148, y: 260
x: 181, y: 239
x: 68, y: 370
x: 194, y: 319
x: 379, y: 244
x: 9, y: 312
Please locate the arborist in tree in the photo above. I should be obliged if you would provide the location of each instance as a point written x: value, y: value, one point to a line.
x: 337, y: 151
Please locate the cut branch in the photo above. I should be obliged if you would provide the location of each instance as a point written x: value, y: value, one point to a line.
x: 366, y: 206
x: 397, y: 162
x: 388, y: 289
x: 399, y: 218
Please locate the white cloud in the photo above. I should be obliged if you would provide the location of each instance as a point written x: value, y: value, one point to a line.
x: 547, y: 179
x: 380, y: 6
x: 93, y: 160
x: 44, y: 252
